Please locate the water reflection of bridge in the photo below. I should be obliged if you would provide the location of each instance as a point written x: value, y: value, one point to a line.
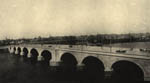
x: 125, y: 63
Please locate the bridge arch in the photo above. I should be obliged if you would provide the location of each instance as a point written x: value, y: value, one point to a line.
x: 92, y: 61
x: 69, y: 61
x: 47, y: 56
x: 125, y: 70
x: 25, y: 52
x: 34, y: 55
x: 94, y: 67
x: 19, y: 50
x: 14, y: 49
x: 34, y: 52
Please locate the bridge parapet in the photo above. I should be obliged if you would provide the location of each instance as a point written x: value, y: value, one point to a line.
x: 130, y: 51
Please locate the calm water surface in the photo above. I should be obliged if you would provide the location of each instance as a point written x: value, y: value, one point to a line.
x: 132, y: 45
x: 14, y: 69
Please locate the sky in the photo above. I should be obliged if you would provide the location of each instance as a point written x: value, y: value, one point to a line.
x: 33, y: 18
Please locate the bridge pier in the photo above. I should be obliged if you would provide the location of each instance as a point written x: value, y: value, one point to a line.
x: 39, y: 58
x: 54, y: 63
x: 11, y: 50
x: 16, y: 52
x: 21, y: 53
x: 108, y: 72
x: 29, y: 55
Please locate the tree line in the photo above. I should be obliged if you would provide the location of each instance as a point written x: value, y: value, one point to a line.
x: 98, y: 40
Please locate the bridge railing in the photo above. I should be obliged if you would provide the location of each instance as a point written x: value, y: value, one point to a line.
x: 119, y: 50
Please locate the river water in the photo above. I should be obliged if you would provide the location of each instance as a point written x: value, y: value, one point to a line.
x: 13, y: 69
x: 132, y: 45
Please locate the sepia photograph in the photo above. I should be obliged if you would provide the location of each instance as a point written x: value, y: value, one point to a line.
x: 74, y: 41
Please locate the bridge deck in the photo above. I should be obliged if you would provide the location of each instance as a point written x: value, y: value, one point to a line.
x: 110, y: 51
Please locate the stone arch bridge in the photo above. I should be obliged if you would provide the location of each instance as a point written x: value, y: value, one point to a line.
x: 132, y: 63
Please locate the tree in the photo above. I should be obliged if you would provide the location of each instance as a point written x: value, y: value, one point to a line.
x: 72, y: 40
